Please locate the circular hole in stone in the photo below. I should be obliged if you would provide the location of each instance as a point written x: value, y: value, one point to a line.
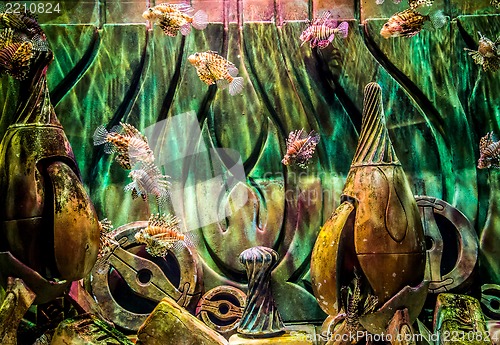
x: 223, y: 308
x: 495, y: 304
x: 429, y: 243
x: 144, y: 276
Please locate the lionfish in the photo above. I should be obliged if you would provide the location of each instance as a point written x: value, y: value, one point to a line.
x: 130, y: 145
x: 322, y: 30
x: 21, y: 38
x: 489, y: 152
x: 354, y: 307
x: 161, y: 234
x: 172, y: 18
x: 487, y: 54
x: 410, y: 22
x: 148, y: 179
x: 300, y: 147
x: 107, y: 243
x: 214, y: 69
x: 495, y: 3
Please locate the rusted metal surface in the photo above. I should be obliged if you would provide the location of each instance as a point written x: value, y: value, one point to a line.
x: 221, y: 309
x: 18, y: 298
x: 148, y: 280
x: 463, y: 234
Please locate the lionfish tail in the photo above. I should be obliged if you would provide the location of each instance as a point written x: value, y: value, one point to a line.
x: 343, y: 29
x: 100, y: 135
x: 200, y: 20
x: 236, y: 86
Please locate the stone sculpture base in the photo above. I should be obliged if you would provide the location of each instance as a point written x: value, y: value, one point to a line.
x: 289, y: 338
x: 171, y: 324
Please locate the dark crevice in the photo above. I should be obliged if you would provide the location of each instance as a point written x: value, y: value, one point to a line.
x: 72, y: 78
x: 330, y: 83
x: 422, y: 102
x: 259, y: 88
x: 253, y: 158
x: 169, y: 96
x: 426, y: 106
x: 124, y: 108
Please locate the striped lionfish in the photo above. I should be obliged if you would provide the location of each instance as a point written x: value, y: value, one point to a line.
x: 487, y: 54
x: 147, y: 179
x: 161, y: 234
x: 214, y: 69
x: 107, y: 243
x: 300, y: 147
x: 172, y: 18
x: 354, y: 308
x: 489, y: 152
x: 410, y: 22
x: 495, y: 3
x: 21, y: 38
x: 322, y: 30
x: 130, y: 145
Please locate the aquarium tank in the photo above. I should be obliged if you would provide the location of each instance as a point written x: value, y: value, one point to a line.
x: 248, y: 172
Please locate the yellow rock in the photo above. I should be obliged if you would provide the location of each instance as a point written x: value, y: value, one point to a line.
x: 171, y: 324
x: 289, y: 338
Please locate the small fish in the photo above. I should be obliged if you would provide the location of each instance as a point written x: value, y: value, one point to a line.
x: 300, y: 147
x: 130, y: 145
x: 20, y: 39
x: 489, y: 152
x: 487, y: 55
x: 148, y: 180
x: 172, y: 18
x: 410, y: 22
x: 321, y: 31
x: 107, y: 243
x: 495, y: 3
x: 161, y: 234
x: 214, y: 69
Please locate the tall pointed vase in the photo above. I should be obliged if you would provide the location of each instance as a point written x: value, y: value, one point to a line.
x: 377, y: 227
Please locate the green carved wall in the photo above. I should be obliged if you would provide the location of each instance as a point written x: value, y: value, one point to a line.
x: 109, y: 67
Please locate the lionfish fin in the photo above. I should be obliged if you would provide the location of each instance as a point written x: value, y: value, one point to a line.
x: 200, y: 20
x: 343, y: 29
x: 232, y: 70
x: 222, y: 83
x: 438, y: 19
x: 185, y: 29
x: 100, y: 135
x: 236, y: 86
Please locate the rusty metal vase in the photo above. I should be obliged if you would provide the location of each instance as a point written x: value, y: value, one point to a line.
x: 377, y: 228
x: 47, y: 221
